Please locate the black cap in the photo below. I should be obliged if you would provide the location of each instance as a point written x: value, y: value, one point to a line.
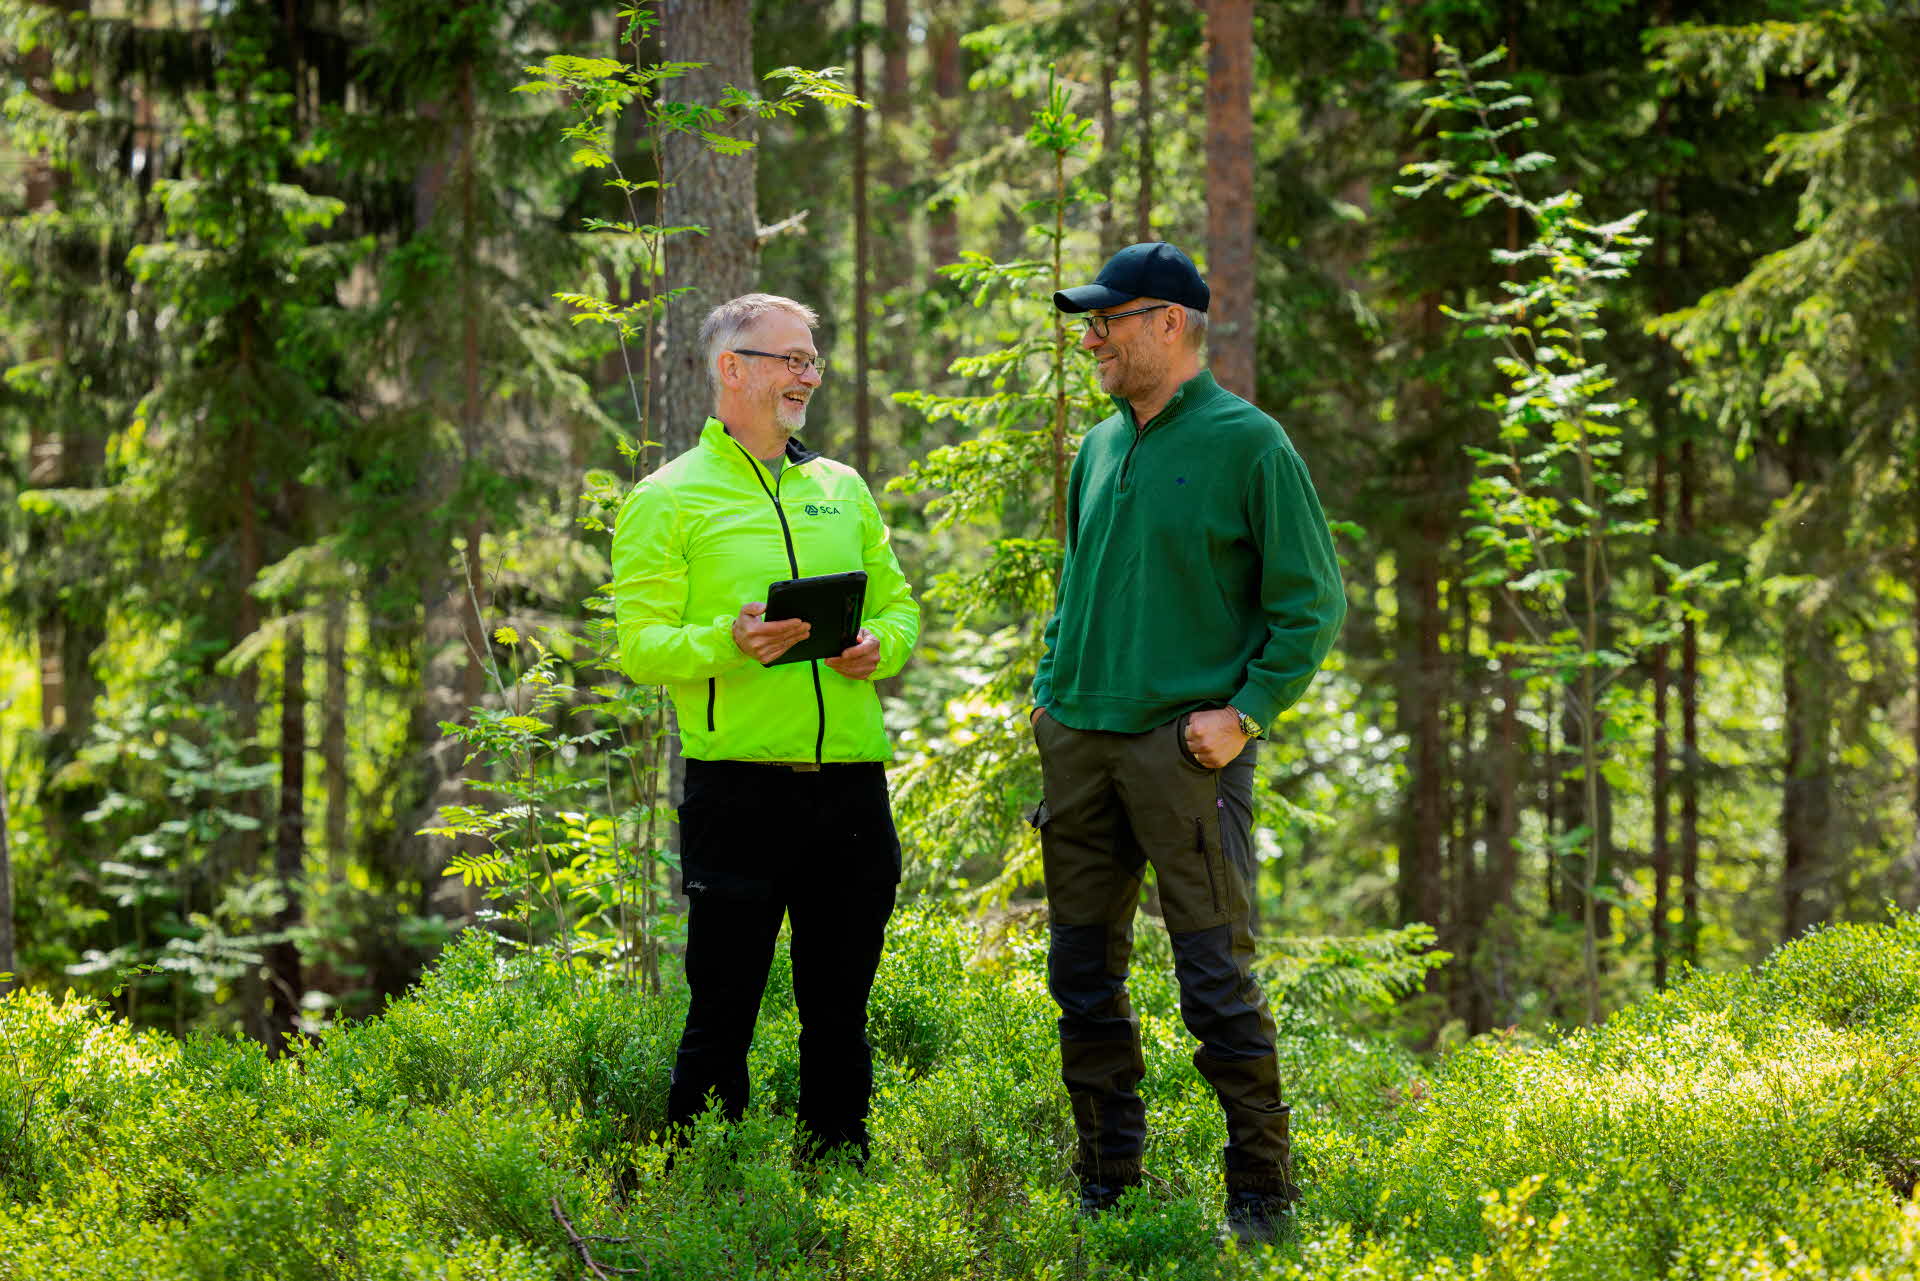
x: 1151, y: 269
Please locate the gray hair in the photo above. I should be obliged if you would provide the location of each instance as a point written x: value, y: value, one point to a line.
x: 1196, y: 326
x: 725, y: 324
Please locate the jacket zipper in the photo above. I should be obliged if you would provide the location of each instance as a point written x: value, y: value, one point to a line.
x: 1140, y: 431
x: 793, y: 564
x: 710, y: 696
x: 1126, y: 464
x: 1200, y: 847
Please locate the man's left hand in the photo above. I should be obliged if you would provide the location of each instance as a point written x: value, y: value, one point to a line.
x: 858, y: 662
x: 1214, y: 737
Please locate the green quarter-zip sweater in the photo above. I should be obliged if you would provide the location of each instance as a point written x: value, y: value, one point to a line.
x: 1199, y: 571
x: 704, y: 535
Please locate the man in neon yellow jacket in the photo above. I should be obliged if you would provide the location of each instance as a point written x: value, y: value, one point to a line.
x: 785, y: 811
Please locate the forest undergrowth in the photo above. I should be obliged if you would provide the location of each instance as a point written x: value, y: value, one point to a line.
x: 498, y: 1122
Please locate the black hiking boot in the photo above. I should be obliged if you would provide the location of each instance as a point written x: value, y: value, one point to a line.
x: 1097, y: 1198
x: 1258, y: 1218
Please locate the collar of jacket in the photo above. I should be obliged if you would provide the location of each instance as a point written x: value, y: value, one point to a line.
x: 1197, y: 390
x: 714, y: 436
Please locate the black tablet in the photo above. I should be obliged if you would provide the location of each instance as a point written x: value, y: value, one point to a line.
x: 830, y: 602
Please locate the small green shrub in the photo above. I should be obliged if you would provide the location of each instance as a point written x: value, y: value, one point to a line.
x: 1760, y: 1125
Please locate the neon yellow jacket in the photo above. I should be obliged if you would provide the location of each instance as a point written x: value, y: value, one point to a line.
x: 707, y: 533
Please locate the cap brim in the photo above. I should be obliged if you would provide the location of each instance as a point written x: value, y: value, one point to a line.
x: 1088, y: 297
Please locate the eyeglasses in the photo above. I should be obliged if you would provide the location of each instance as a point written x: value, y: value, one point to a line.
x: 1097, y: 325
x: 797, y: 364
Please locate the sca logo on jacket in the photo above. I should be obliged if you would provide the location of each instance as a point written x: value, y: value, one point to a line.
x: 821, y: 509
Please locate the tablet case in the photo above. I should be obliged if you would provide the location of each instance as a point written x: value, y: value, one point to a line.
x: 832, y: 603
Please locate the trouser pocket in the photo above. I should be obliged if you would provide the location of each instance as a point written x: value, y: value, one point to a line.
x: 1207, y: 861
x: 1180, y: 741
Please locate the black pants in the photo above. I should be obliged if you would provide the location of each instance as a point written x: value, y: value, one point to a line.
x: 1114, y: 803
x: 763, y: 842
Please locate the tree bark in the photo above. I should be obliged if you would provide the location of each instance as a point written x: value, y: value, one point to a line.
x: 862, y: 256
x: 1806, y: 803
x: 1908, y: 893
x: 284, y: 984
x: 1232, y: 266
x: 9, y: 964
x: 1661, y: 855
x: 61, y: 454
x: 943, y: 228
x: 1143, y: 73
x: 333, y: 734
x: 1107, y: 222
x: 1421, y: 883
x: 1689, y: 740
x: 445, y: 662
x: 704, y: 190
x: 897, y: 247
x: 1662, y: 852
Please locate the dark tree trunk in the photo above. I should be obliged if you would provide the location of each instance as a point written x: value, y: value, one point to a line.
x: 1107, y: 221
x: 1467, y: 805
x: 9, y: 965
x: 1143, y: 73
x: 943, y: 230
x: 284, y: 984
x: 1806, y: 806
x: 704, y: 190
x: 333, y: 734
x: 862, y: 258
x: 247, y: 564
x: 896, y: 247
x: 449, y: 623
x: 1232, y: 265
x: 61, y: 454
x: 1907, y: 891
x: 1690, y: 761
x: 1422, y: 885
x: 1661, y: 856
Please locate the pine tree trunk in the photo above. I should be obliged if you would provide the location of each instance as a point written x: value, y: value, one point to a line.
x: 943, y: 230
x: 704, y: 190
x: 333, y: 735
x: 284, y: 984
x: 1143, y: 74
x: 896, y: 256
x: 9, y: 964
x: 1806, y: 805
x: 1908, y: 891
x: 862, y: 259
x: 1469, y: 805
x: 1107, y: 223
x: 1421, y: 883
x: 1232, y: 268
x: 1662, y: 852
x: 1690, y: 760
x: 247, y: 563
x: 60, y: 455
x: 444, y: 664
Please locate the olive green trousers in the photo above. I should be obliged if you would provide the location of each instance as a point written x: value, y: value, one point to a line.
x: 1113, y: 804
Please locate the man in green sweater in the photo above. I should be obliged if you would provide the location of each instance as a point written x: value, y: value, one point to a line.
x: 1199, y: 596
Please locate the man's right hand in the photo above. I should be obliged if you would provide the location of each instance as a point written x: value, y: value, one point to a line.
x: 763, y: 641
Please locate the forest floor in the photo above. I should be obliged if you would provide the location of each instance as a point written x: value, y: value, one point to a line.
x: 498, y: 1122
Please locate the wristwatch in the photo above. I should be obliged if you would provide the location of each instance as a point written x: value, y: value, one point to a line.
x: 1248, y: 726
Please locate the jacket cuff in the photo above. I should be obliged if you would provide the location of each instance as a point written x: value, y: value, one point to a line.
x: 727, y: 654
x: 1258, y: 704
